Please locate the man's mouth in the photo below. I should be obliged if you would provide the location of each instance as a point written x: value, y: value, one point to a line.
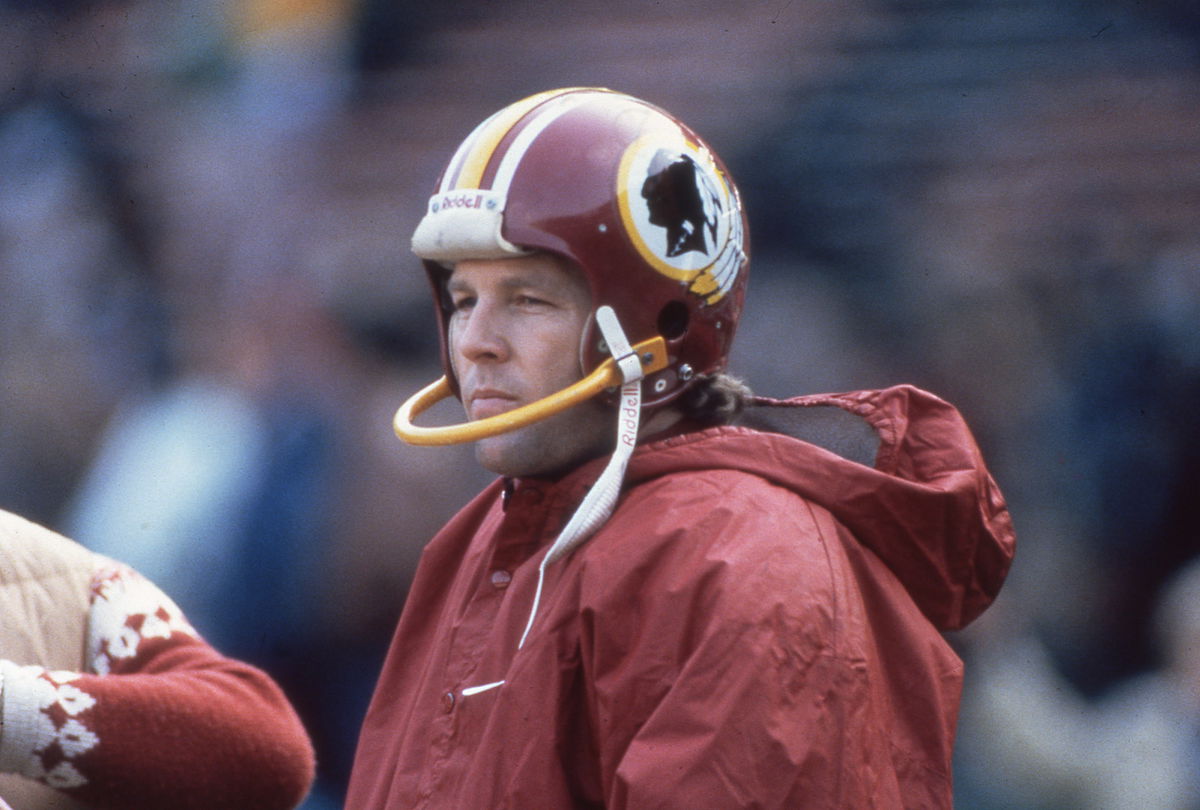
x: 485, y: 402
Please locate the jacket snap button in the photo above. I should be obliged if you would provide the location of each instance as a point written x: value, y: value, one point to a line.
x: 500, y: 579
x: 448, y: 702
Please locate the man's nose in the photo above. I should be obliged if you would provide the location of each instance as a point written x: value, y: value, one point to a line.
x: 482, y: 335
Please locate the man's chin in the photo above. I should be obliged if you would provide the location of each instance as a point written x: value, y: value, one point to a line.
x: 514, y: 455
x: 502, y: 455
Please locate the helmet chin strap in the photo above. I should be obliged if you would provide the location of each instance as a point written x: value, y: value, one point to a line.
x: 598, y: 504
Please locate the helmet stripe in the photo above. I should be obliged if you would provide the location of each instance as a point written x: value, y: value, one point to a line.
x: 467, y: 168
x: 525, y: 138
x: 460, y: 155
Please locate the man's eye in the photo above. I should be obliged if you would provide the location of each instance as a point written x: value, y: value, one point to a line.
x: 460, y: 304
x: 529, y: 301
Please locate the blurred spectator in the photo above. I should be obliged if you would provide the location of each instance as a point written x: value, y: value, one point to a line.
x: 80, y: 320
x: 221, y: 483
x: 1037, y: 742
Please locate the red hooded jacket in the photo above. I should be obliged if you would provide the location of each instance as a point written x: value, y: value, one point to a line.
x: 757, y: 625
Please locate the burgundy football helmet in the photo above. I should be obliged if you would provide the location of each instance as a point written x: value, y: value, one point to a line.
x: 624, y: 190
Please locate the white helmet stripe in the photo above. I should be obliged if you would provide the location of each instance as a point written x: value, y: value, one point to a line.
x: 541, y: 119
x: 469, y: 163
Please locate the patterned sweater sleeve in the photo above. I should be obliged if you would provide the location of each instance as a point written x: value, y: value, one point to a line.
x: 162, y: 720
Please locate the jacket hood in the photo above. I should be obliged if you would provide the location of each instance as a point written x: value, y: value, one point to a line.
x: 898, y: 467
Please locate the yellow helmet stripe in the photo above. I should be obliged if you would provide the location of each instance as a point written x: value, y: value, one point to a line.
x: 454, y: 167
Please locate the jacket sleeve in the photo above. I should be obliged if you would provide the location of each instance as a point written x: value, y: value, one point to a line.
x: 162, y: 720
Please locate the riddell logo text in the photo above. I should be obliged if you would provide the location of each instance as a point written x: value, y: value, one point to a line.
x: 629, y: 420
x: 461, y: 201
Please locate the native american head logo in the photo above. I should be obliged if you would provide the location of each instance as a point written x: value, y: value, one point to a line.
x: 680, y: 200
x: 681, y: 215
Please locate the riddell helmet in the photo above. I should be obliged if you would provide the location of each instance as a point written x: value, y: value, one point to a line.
x: 624, y: 190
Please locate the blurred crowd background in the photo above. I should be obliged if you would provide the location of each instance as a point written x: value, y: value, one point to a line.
x: 208, y: 310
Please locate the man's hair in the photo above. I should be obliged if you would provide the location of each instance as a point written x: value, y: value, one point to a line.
x: 714, y: 399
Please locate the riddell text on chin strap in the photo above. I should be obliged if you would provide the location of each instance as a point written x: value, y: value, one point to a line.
x: 652, y: 354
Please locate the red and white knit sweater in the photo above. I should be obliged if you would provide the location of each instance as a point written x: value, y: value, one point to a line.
x: 160, y: 719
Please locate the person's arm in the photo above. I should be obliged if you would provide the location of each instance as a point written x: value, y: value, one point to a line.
x: 161, y: 720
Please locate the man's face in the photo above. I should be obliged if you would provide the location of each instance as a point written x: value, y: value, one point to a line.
x: 514, y: 339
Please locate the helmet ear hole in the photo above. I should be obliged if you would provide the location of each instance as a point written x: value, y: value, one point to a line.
x: 673, y: 320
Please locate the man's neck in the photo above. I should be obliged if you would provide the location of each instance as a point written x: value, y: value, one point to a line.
x: 660, y: 422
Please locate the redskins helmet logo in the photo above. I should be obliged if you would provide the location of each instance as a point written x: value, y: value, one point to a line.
x: 680, y: 214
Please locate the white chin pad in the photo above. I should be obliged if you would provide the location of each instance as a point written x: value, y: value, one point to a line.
x: 463, y: 224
